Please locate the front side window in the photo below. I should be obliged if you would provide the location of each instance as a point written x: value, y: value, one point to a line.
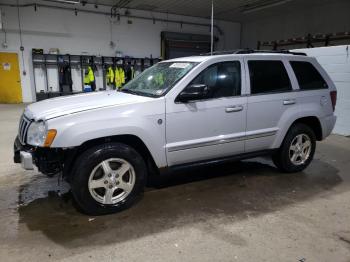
x: 307, y: 75
x: 268, y: 76
x: 222, y: 79
x: 156, y: 80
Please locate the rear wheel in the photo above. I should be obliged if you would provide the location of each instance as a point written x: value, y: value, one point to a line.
x: 297, y: 149
x: 108, y: 178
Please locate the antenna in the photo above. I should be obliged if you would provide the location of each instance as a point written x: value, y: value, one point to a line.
x: 212, y: 27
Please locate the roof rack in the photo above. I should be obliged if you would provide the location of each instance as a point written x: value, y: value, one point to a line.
x: 252, y: 51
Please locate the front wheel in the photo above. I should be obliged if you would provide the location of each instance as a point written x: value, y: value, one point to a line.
x: 297, y: 149
x: 108, y: 178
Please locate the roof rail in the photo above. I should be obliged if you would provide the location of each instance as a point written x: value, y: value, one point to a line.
x: 252, y: 51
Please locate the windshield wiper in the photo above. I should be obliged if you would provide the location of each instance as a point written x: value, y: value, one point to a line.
x: 138, y: 93
x: 129, y: 91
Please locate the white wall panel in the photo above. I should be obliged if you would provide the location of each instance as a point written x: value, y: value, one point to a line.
x: 90, y: 33
x: 336, y: 61
x: 336, y: 68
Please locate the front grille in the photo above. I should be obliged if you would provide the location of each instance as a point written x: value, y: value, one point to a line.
x: 23, y: 128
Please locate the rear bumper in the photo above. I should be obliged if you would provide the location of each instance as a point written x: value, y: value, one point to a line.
x: 328, y: 124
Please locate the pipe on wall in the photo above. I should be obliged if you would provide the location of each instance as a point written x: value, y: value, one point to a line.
x: 35, y: 5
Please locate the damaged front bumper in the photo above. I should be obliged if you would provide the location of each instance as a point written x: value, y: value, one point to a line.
x: 49, y: 161
x: 26, y: 160
x: 23, y: 155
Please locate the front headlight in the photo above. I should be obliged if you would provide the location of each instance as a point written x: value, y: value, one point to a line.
x: 36, y: 134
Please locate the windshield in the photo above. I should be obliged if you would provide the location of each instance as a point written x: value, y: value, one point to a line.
x: 156, y: 80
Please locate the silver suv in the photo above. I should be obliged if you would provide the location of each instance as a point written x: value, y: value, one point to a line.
x: 189, y: 111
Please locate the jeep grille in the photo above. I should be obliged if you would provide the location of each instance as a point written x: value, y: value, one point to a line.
x: 23, y: 128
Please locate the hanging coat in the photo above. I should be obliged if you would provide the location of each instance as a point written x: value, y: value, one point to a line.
x: 110, y: 76
x: 65, y: 77
x: 119, y: 76
x: 130, y: 73
x: 89, y: 76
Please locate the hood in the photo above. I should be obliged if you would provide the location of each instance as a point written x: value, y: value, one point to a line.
x: 60, y: 106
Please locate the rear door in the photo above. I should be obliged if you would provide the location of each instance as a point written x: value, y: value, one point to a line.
x: 271, y: 99
x: 314, y: 94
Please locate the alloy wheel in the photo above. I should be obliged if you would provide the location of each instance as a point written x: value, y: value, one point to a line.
x: 300, y: 149
x: 111, y: 181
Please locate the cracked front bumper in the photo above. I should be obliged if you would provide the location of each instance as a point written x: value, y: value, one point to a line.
x: 23, y: 155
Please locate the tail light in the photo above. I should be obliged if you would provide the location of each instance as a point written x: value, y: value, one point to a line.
x: 333, y: 95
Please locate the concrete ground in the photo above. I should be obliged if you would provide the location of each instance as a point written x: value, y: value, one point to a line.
x: 244, y: 211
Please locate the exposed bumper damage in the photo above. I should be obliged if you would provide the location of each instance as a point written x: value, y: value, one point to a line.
x: 49, y: 161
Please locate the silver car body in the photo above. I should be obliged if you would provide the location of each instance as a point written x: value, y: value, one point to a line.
x: 178, y: 133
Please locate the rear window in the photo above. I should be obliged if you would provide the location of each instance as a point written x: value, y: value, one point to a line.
x: 268, y: 76
x: 307, y: 75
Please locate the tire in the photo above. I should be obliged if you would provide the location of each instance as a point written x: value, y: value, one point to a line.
x: 291, y: 157
x: 108, y: 178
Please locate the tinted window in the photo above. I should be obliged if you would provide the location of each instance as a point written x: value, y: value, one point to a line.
x: 268, y: 77
x: 223, y: 79
x: 308, y: 76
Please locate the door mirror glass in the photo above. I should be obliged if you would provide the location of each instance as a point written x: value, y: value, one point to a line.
x: 193, y: 92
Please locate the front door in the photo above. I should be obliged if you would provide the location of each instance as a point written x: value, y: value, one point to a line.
x: 10, y: 82
x: 212, y: 127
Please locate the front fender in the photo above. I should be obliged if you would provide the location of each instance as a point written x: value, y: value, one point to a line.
x: 73, y: 130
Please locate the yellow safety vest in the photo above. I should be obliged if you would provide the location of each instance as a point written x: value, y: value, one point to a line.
x: 159, y: 79
x: 119, y: 77
x: 110, y: 76
x: 89, y: 76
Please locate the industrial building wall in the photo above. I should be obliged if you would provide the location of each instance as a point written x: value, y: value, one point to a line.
x: 90, y: 33
x: 336, y: 61
x: 329, y: 17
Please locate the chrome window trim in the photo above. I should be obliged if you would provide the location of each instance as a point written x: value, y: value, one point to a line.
x: 220, y: 141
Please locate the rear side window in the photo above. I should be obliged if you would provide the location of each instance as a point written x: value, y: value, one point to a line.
x: 307, y: 75
x: 268, y: 77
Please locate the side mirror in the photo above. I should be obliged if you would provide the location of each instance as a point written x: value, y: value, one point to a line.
x: 193, y: 92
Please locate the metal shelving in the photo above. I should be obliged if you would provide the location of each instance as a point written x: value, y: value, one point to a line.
x: 81, y: 62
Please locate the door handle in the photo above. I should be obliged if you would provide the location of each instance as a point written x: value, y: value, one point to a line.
x: 289, y: 102
x: 232, y: 109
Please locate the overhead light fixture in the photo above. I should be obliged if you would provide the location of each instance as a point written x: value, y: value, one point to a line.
x: 261, y: 6
x: 72, y: 2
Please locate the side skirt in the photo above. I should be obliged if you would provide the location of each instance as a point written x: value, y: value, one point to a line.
x: 217, y: 161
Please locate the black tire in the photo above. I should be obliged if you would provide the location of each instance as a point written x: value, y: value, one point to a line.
x: 282, y: 157
x: 91, y: 158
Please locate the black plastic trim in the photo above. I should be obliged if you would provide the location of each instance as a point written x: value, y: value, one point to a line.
x: 217, y: 161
